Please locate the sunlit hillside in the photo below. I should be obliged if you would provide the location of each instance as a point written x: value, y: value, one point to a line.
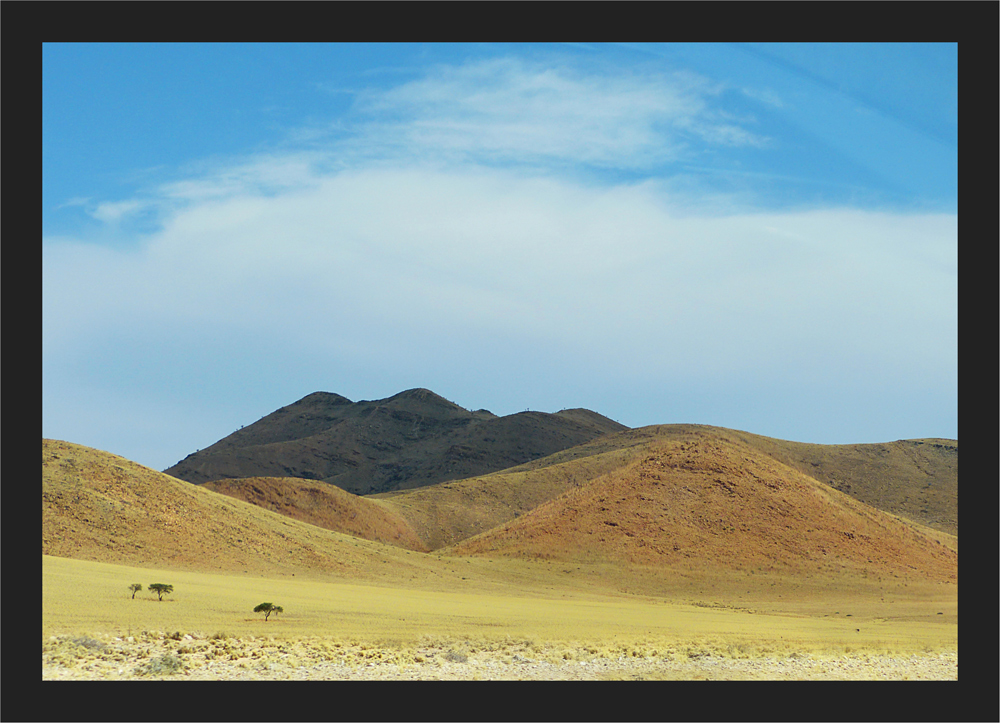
x: 102, y: 507
x: 675, y: 510
x: 707, y: 499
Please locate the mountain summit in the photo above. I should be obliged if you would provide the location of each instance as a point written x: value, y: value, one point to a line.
x: 412, y: 439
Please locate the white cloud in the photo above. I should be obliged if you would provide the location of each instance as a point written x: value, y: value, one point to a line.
x: 608, y: 273
x: 504, y: 112
x: 511, y: 110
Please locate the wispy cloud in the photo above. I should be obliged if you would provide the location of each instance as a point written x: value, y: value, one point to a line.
x: 501, y: 113
x: 262, y: 173
x: 115, y: 211
x: 511, y: 110
x: 75, y: 201
x: 764, y: 95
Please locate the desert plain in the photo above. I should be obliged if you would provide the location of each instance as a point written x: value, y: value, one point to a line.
x: 677, y: 552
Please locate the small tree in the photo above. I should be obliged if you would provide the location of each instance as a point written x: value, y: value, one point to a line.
x: 268, y: 608
x: 134, y: 588
x: 160, y: 589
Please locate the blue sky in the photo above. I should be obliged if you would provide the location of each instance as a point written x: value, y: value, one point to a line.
x: 761, y: 237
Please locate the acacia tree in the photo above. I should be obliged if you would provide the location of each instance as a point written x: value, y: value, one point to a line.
x: 268, y: 608
x: 160, y: 589
x: 134, y: 588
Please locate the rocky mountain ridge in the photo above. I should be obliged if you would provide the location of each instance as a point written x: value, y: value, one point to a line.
x: 413, y: 439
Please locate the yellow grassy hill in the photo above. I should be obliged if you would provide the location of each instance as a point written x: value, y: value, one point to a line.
x: 101, y: 507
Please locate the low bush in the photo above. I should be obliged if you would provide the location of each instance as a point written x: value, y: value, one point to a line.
x: 164, y: 665
x: 88, y: 643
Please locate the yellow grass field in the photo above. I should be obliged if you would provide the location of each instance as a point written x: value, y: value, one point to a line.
x: 91, y: 598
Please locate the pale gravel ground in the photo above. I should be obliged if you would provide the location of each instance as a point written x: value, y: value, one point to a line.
x: 199, y: 658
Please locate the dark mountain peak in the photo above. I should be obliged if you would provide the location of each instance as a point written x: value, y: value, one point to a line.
x: 417, y: 393
x: 325, y: 398
x: 422, y: 396
x: 315, y: 404
x: 411, y: 439
x: 585, y: 416
x: 424, y: 403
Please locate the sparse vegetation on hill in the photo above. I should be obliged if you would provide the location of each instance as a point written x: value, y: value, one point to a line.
x: 445, y: 514
x: 412, y: 442
x: 718, y: 495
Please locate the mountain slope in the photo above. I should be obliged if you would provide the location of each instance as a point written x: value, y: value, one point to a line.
x: 444, y: 514
x: 707, y: 499
x: 102, y: 507
x: 915, y: 478
x: 413, y: 439
x: 448, y: 512
x: 323, y: 505
x: 643, y: 511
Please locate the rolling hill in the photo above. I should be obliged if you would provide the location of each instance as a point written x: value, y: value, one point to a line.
x: 101, y: 507
x: 446, y: 513
x: 707, y: 499
x: 650, y: 503
x: 913, y: 478
x: 323, y: 505
x: 413, y: 439
x: 877, y: 475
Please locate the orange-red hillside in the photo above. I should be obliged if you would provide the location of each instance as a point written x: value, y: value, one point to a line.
x: 708, y: 499
x: 323, y: 505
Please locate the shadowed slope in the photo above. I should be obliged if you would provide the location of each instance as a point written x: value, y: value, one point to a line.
x: 323, y: 505
x: 706, y: 499
x: 413, y: 439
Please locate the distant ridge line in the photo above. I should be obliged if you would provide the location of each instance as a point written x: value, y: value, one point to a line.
x: 411, y: 439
